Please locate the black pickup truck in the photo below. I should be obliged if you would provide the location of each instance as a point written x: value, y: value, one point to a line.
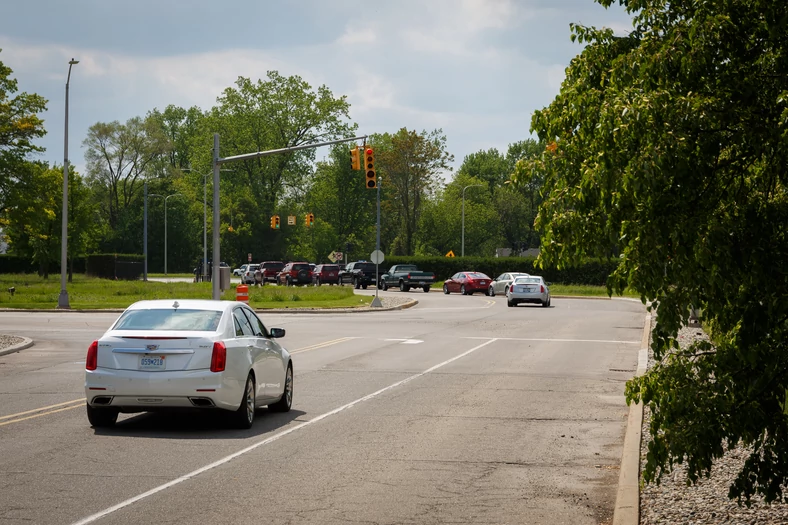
x: 406, y: 276
x: 359, y: 273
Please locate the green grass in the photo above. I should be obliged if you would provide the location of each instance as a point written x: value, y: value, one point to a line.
x: 33, y: 292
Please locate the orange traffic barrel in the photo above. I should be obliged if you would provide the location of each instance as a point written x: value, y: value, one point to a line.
x: 242, y: 293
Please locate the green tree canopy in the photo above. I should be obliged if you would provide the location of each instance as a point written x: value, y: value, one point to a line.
x: 669, y: 146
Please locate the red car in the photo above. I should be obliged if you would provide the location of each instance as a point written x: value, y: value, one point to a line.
x: 295, y: 273
x: 271, y: 270
x: 325, y: 274
x: 467, y: 283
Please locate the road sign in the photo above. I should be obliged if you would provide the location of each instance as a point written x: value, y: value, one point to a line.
x: 450, y: 254
x: 249, y: 256
x: 291, y: 220
x: 335, y: 256
x: 377, y: 257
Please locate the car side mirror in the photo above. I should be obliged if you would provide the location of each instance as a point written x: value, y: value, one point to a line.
x: 276, y: 333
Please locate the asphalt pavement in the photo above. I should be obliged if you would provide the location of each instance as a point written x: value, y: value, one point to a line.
x: 458, y: 410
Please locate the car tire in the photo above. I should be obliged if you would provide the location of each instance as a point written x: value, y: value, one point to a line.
x: 403, y: 287
x: 383, y: 285
x: 462, y: 290
x: 102, y: 417
x: 445, y: 289
x: 243, y: 418
x: 509, y: 303
x: 286, y: 401
x: 426, y: 288
x: 356, y: 284
x: 289, y: 282
x: 506, y: 290
x: 491, y: 291
x: 317, y: 281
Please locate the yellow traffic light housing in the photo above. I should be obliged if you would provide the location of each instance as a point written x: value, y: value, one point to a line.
x: 369, y: 169
x: 275, y: 223
x: 355, y: 158
x: 310, y: 220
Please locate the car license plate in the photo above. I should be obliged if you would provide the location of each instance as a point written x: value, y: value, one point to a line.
x: 152, y: 362
x: 331, y: 274
x: 421, y: 283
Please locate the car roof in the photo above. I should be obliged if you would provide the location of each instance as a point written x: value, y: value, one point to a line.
x: 188, y: 304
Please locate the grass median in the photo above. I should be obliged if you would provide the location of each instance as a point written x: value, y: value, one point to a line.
x: 89, y: 293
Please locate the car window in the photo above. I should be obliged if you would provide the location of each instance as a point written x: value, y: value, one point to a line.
x: 238, y: 331
x: 257, y: 325
x: 477, y: 275
x: 329, y: 268
x: 502, y: 277
x: 169, y: 319
x: 303, y: 266
x: 455, y: 276
x: 246, y: 328
x: 365, y: 267
x: 528, y: 280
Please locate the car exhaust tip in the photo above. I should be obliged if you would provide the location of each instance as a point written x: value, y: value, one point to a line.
x: 201, y: 402
x: 102, y: 400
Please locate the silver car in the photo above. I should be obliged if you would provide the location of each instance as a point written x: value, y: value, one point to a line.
x: 501, y: 283
x: 530, y: 289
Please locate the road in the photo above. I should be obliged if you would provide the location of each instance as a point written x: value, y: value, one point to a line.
x: 459, y: 410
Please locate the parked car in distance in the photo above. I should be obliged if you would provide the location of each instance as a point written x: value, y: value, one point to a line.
x: 325, y: 274
x: 187, y: 354
x: 248, y: 275
x: 501, y: 283
x: 406, y: 276
x: 238, y: 272
x: 295, y: 273
x: 358, y: 273
x: 467, y: 283
x: 530, y: 289
x: 271, y: 270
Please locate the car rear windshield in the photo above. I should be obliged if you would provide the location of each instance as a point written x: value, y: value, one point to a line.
x: 477, y: 275
x: 330, y: 268
x: 253, y: 267
x: 169, y: 319
x: 527, y: 280
x: 273, y: 266
x: 302, y: 266
x: 364, y: 267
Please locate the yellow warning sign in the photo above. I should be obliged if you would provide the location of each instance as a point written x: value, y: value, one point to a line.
x: 450, y: 254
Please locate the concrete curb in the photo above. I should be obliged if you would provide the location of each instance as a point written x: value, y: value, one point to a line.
x: 627, y: 509
x: 27, y: 343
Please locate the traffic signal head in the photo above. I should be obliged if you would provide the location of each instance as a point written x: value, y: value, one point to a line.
x: 369, y: 169
x: 276, y: 222
x: 273, y: 222
x: 355, y: 158
x: 310, y: 219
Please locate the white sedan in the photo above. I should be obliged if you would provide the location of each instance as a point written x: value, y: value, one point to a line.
x: 529, y: 289
x: 193, y: 354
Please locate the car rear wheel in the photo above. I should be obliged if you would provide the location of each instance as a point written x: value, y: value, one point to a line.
x: 445, y: 289
x: 286, y: 401
x: 403, y: 287
x: 102, y: 417
x: 491, y: 291
x: 510, y: 303
x: 426, y: 288
x: 506, y: 290
x: 244, y: 416
x: 383, y: 286
x: 289, y: 282
x: 356, y: 284
x: 317, y: 281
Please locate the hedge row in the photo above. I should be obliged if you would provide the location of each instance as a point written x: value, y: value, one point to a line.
x: 592, y: 272
x: 106, y: 265
x: 17, y: 264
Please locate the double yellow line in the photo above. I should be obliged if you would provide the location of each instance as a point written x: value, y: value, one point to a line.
x: 43, y: 411
x: 323, y: 345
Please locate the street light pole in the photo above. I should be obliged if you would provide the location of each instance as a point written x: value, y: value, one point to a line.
x: 204, y: 221
x: 462, y: 253
x: 165, y: 223
x: 62, y: 300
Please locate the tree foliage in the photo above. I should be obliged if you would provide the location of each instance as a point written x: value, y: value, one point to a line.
x: 668, y: 146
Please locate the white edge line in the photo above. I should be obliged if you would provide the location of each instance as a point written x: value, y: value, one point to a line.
x: 226, y: 459
x: 559, y: 340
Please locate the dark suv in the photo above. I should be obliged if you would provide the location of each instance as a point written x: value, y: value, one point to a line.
x: 295, y: 273
x: 360, y: 274
x: 271, y: 270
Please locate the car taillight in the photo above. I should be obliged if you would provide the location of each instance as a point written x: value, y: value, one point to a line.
x: 218, y: 357
x: 408, y: 276
x: 91, y: 362
x: 541, y: 288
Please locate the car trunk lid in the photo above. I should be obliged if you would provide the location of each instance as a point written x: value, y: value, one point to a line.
x: 155, y: 351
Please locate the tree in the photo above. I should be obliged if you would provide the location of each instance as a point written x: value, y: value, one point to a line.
x: 19, y: 126
x: 410, y: 163
x: 670, y: 147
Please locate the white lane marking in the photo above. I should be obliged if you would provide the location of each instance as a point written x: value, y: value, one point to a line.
x: 226, y: 459
x: 559, y: 340
x: 406, y: 341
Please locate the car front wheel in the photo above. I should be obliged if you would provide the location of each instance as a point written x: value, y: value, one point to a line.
x: 491, y: 291
x: 102, y: 417
x: 445, y: 289
x: 383, y: 285
x: 462, y: 290
x: 286, y: 401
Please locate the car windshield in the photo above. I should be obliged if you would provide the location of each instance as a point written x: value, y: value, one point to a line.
x: 527, y: 280
x: 169, y: 319
x: 476, y: 275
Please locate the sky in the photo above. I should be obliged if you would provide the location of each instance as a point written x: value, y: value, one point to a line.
x: 477, y: 69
